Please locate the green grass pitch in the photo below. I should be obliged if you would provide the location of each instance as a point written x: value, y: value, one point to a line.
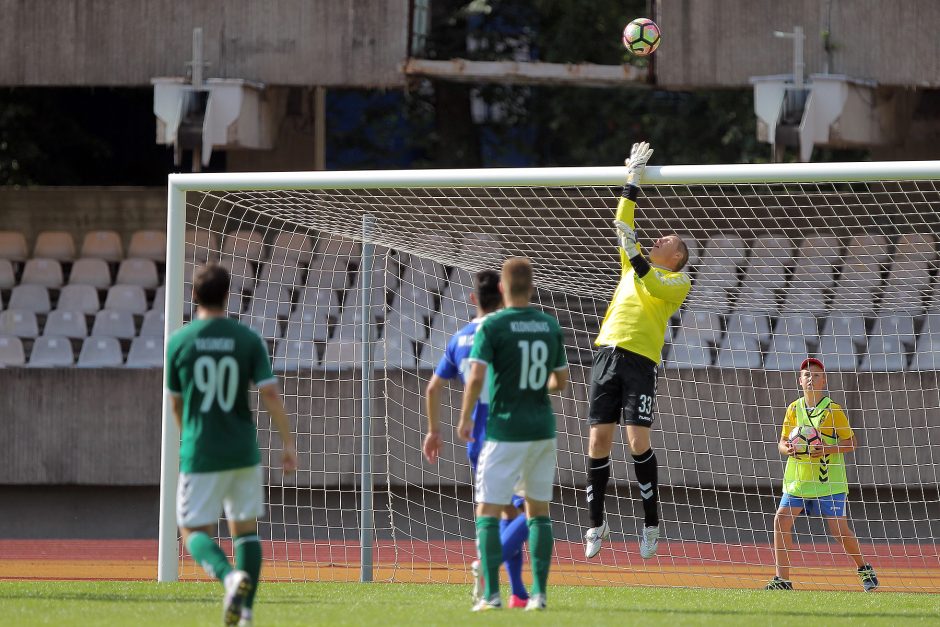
x: 283, y: 604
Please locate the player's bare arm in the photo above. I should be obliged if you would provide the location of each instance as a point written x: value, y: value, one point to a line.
x: 844, y: 446
x: 271, y: 399
x: 476, y: 377
x: 177, y: 403
x: 432, y: 405
x: 558, y: 380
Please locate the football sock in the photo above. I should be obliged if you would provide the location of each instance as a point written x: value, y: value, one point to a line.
x: 647, y: 477
x: 491, y: 553
x: 513, y: 534
x: 208, y: 554
x: 598, y: 476
x: 248, y: 559
x: 541, y: 542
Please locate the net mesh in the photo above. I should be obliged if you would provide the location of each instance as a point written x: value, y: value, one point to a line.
x: 844, y: 271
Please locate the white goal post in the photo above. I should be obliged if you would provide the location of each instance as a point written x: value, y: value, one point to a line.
x: 356, y: 278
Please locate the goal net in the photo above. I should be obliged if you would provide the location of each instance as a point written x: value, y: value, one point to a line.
x: 836, y: 261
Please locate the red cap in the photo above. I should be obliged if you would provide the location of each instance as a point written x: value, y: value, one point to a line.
x: 812, y: 361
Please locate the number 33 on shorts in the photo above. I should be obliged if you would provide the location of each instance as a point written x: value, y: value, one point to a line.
x: 645, y: 408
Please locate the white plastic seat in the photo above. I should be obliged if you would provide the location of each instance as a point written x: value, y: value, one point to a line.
x: 262, y: 318
x: 248, y: 243
x: 89, y: 271
x: 851, y: 326
x: 786, y: 353
x: 328, y: 273
x: 760, y: 287
x: 337, y: 246
x: 13, y: 246
x: 291, y: 355
x: 66, y: 323
x: 57, y: 245
x: 51, y: 351
x: 145, y: 352
x: 201, y: 244
x: 19, y: 323
x: 712, y: 297
x: 750, y: 324
x: 898, y: 325
x: 480, y: 248
x: 11, y: 351
x: 839, y: 352
x: 103, y: 245
x: 425, y: 273
x: 154, y: 324
x: 857, y: 288
x: 287, y: 274
x: 307, y: 324
x: 7, y: 277
x: 33, y: 298
x: 235, y: 305
x: 409, y: 324
x: 798, y: 325
x: 907, y: 286
x: 394, y: 351
x: 241, y: 273
x: 277, y: 299
x: 706, y: 323
x: 126, y: 298
x: 45, y: 272
x: 688, y: 355
x: 771, y: 249
x: 916, y: 247
x: 80, y: 298
x: 321, y: 300
x: 100, y: 352
x: 739, y: 350
x: 885, y: 353
x: 159, y: 299
x: 148, y: 245
x: 114, y: 323
x: 869, y: 249
x: 927, y: 352
x: 142, y: 272
x: 460, y: 284
x: 342, y: 354
x: 349, y: 326
x: 291, y: 249
x: 724, y: 250
x: 431, y: 351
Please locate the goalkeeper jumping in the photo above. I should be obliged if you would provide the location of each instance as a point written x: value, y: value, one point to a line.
x: 623, y: 377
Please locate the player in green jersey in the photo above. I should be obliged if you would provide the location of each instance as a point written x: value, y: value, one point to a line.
x: 630, y: 345
x: 815, y: 481
x: 525, y: 353
x: 210, y: 365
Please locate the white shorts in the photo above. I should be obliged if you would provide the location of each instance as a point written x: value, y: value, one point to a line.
x: 201, y: 496
x: 507, y: 468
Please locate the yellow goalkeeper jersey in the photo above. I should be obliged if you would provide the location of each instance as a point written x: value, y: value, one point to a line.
x: 640, y: 309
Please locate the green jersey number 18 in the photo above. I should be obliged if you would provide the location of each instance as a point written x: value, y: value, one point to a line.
x: 534, y: 371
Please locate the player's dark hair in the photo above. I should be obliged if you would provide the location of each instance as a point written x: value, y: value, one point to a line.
x: 486, y: 287
x: 210, y: 286
x: 684, y: 249
x: 517, y: 277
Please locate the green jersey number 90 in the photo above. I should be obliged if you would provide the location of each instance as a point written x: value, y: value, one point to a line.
x: 217, y: 380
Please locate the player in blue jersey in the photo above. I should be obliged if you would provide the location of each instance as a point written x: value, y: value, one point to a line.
x: 513, y: 529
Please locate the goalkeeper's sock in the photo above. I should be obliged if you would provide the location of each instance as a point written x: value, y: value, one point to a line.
x: 491, y: 554
x: 598, y: 476
x: 647, y: 473
x: 208, y: 554
x: 248, y: 559
x: 541, y: 542
x: 513, y: 534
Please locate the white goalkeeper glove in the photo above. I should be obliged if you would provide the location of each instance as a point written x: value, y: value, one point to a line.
x: 627, y: 237
x: 636, y: 162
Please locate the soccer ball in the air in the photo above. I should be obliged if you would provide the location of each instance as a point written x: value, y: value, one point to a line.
x: 641, y: 36
x: 802, y: 438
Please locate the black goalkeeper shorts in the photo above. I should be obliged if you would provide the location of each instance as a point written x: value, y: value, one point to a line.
x: 623, y: 388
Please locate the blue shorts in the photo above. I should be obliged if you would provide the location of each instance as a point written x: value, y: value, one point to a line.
x: 832, y: 506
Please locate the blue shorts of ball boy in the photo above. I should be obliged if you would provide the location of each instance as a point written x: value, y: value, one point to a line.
x: 832, y: 506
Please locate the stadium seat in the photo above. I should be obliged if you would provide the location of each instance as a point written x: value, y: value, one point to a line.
x: 236, y: 303
x: 148, y: 245
x: 261, y: 316
x: 927, y: 351
x: 739, y: 350
x: 786, y: 353
x: 813, y: 275
x: 425, y: 273
x: 45, y: 272
x: 771, y: 249
x: 248, y: 243
x: 129, y: 298
x: 19, y: 323
x: 431, y: 351
x: 153, y: 324
x: 916, y: 247
x: 13, y: 246
x: 103, y: 245
x: 11, y: 351
x: 336, y: 246
x: 750, y: 324
x: 66, y: 323
x: 460, y: 285
x: 50, y: 351
x: 725, y: 251
x: 159, y: 299
x: 804, y: 325
x: 838, y: 352
x: 307, y: 324
x: 394, y: 351
x: 321, y: 300
x: 704, y: 325
x: 100, y: 352
x: 241, y: 273
x: 349, y: 326
x: 686, y: 352
x: 760, y: 287
x: 81, y: 298
x: 277, y: 297
x: 900, y: 325
x: 145, y: 352
x: 907, y: 287
x: 857, y: 288
x: 342, y: 354
x: 33, y: 298
x: 328, y: 273
x: 846, y: 325
x: 413, y: 300
x: 200, y: 245
x: 287, y: 274
x: 88, y: 271
x: 460, y: 311
x: 868, y: 249
x: 409, y: 324
x: 142, y: 272
x: 293, y: 355
x: 114, y: 323
x: 885, y: 353
x: 290, y: 248
x: 57, y: 245
x: 7, y: 277
x: 479, y: 248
